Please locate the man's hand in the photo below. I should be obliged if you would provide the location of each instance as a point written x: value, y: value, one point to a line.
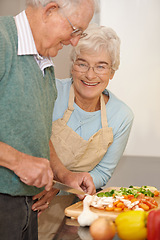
x: 82, y: 181
x: 31, y: 170
x: 79, y: 180
x: 34, y: 171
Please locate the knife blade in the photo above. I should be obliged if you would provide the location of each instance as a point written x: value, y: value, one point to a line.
x: 66, y: 188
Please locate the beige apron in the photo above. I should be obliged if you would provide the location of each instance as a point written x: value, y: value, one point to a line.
x: 76, y: 153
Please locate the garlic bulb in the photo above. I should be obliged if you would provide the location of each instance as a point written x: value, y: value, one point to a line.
x: 87, y: 216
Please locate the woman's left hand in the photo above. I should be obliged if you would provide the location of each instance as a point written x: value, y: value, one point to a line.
x: 43, y: 200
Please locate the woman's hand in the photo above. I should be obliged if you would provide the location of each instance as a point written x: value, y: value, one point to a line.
x: 43, y: 200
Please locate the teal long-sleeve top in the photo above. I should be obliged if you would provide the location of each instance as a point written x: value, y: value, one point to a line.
x: 119, y: 116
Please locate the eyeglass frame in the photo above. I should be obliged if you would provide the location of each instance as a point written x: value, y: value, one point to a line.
x: 76, y: 31
x: 107, y: 67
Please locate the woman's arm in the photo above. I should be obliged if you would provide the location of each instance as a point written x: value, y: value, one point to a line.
x: 103, y: 171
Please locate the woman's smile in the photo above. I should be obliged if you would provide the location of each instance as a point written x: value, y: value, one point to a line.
x: 90, y: 83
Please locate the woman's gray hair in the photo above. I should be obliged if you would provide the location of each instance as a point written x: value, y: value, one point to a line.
x: 68, y: 5
x: 99, y: 38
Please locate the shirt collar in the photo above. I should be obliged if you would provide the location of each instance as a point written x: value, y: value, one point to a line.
x: 26, y: 44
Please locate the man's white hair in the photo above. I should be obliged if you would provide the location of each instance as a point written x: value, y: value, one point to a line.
x: 68, y: 5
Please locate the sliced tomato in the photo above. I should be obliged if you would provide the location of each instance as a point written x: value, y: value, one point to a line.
x: 149, y: 204
x: 149, y: 201
x: 152, y: 200
x: 130, y: 196
x: 144, y: 206
x: 156, y: 193
x: 120, y: 205
x: 116, y: 209
x: 140, y: 196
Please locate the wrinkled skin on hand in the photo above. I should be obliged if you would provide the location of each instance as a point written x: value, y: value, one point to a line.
x: 34, y: 171
x: 79, y: 180
x: 82, y: 181
x: 43, y: 200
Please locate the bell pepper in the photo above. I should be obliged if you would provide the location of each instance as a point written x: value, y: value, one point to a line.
x: 131, y: 225
x: 153, y: 225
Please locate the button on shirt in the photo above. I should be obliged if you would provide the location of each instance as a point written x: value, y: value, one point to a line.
x: 26, y: 44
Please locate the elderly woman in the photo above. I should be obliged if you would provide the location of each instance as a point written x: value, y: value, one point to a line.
x: 91, y: 125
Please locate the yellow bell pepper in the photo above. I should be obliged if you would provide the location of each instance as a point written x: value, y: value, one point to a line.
x: 131, y: 225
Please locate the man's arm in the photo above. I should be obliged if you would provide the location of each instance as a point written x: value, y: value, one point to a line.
x: 31, y: 170
x: 82, y: 181
x: 79, y: 180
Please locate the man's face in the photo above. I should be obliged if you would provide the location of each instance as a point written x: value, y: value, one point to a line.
x: 58, y: 30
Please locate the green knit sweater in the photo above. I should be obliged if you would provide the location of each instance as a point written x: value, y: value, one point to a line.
x: 26, y: 106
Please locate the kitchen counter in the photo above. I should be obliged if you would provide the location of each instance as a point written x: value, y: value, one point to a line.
x: 53, y: 225
x: 131, y: 170
x: 70, y: 230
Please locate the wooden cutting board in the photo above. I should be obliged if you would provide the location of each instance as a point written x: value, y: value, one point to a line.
x: 76, y: 209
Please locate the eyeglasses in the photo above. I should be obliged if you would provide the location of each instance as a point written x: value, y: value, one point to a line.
x: 102, y: 68
x: 76, y: 32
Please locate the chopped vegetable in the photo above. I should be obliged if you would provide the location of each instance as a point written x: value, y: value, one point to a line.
x: 135, y: 191
x: 132, y: 198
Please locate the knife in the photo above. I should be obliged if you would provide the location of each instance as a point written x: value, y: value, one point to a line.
x: 66, y: 188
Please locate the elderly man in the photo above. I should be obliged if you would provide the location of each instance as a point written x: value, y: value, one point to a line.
x: 27, y: 94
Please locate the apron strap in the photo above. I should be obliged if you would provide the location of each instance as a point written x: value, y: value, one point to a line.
x: 103, y: 113
x: 70, y: 108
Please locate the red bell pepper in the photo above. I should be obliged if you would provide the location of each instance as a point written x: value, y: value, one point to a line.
x: 153, y: 225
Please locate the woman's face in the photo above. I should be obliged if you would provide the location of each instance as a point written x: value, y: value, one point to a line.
x: 89, y: 84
